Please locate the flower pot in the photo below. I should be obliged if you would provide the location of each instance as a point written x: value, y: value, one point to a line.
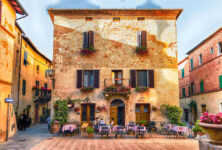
x: 142, y: 125
x: 55, y: 128
x: 213, y: 132
x: 90, y: 135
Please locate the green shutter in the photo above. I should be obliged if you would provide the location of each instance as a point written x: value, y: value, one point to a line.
x: 220, y: 80
x: 183, y: 73
x: 184, y: 92
x: 191, y: 63
x: 201, y: 86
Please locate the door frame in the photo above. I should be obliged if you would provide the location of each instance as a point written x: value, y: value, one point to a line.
x: 124, y: 111
x: 86, y: 112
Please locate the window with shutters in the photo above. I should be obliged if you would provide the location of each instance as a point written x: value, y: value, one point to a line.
x: 183, y: 73
x: 219, y: 47
x: 200, y: 59
x: 142, y: 112
x: 87, y: 78
x: 189, y: 91
x: 88, y: 39
x: 220, y: 81
x: 23, y: 87
x: 142, y: 78
x: 184, y: 92
x: 117, y: 77
x: 25, y: 58
x: 191, y: 63
x: 202, y: 86
x: 141, y: 39
x: 192, y: 88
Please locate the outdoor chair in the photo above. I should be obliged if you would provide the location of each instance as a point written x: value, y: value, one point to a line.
x: 140, y: 131
x: 130, y: 128
x: 83, y: 129
x: 104, y: 130
x: 152, y: 125
x: 119, y: 130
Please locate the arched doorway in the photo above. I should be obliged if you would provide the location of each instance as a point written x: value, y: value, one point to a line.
x: 117, y: 112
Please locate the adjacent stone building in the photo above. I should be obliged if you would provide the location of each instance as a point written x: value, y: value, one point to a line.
x: 8, y: 11
x: 95, y: 60
x: 205, y: 75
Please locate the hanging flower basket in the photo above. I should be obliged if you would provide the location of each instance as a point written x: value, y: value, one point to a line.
x: 141, y: 89
x: 102, y: 108
x: 87, y: 51
x: 141, y: 50
x: 76, y: 109
x: 87, y: 89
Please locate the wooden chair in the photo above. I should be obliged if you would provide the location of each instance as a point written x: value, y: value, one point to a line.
x: 83, y: 129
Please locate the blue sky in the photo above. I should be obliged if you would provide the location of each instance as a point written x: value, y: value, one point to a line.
x: 199, y: 19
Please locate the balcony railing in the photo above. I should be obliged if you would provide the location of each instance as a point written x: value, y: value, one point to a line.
x: 41, y: 96
x: 117, y: 86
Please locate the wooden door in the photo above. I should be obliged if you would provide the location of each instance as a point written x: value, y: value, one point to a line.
x: 87, y: 113
x: 113, y: 114
x: 36, y: 113
x: 142, y: 112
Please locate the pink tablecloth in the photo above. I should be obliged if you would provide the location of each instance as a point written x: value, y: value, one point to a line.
x: 100, y: 129
x: 68, y: 127
x: 169, y: 126
x: 115, y: 129
x: 130, y: 128
x: 136, y: 129
x: 180, y: 129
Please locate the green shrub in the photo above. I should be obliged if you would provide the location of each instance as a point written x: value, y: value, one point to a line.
x: 173, y: 113
x: 61, y: 111
x: 181, y: 124
x: 89, y: 130
x: 197, y: 128
x: 142, y: 122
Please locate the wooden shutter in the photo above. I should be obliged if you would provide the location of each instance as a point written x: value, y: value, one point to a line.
x: 96, y: 78
x: 85, y: 40
x: 183, y: 73
x: 151, y: 78
x: 91, y: 38
x: 184, y: 92
x: 138, y: 34
x: 144, y: 39
x: 220, y: 80
x: 133, y: 78
x: 25, y: 58
x: 191, y: 63
x: 79, y: 78
x: 201, y: 86
x: 24, y: 87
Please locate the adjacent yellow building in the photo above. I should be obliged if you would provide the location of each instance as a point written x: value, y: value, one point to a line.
x: 8, y: 10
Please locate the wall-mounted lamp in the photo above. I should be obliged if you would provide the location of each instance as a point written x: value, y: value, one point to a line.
x: 51, y: 73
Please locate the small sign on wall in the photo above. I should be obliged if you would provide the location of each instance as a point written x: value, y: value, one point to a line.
x: 9, y: 100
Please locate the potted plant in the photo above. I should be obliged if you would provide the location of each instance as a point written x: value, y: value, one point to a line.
x: 87, y: 89
x: 35, y: 87
x: 142, y: 122
x: 141, y: 89
x: 197, y: 130
x: 55, y: 127
x: 88, y: 50
x: 141, y: 50
x: 76, y: 109
x: 212, y: 126
x: 90, y: 131
x: 154, y: 108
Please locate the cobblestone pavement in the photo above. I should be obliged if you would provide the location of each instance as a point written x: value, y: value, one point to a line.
x: 25, y: 140
x: 149, y: 143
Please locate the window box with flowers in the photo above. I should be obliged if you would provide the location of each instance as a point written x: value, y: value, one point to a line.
x: 212, y: 126
x: 87, y: 89
x: 141, y: 50
x: 141, y: 89
x: 35, y: 87
x: 87, y: 50
x: 111, y: 91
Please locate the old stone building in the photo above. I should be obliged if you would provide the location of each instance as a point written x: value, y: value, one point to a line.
x: 8, y: 11
x: 205, y: 75
x: 100, y: 56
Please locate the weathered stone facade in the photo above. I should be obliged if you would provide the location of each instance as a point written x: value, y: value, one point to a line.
x: 115, y: 44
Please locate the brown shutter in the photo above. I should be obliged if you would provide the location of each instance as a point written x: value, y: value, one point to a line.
x: 133, y: 78
x: 151, y: 78
x: 96, y: 78
x: 85, y: 40
x: 79, y: 78
x: 91, y: 38
x: 144, y: 39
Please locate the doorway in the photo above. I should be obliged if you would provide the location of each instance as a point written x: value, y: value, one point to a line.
x: 87, y: 113
x: 117, y: 112
x: 36, y: 113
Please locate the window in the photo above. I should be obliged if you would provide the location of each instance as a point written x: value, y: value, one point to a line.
x: 191, y: 63
x: 142, y: 112
x: 141, y: 18
x: 88, y: 19
x: 117, y: 77
x: 25, y: 58
x: 219, y: 45
x: 189, y: 91
x: 23, y: 87
x: 141, y: 39
x: 202, y: 86
x: 220, y: 105
x: 46, y: 72
x: 183, y: 73
x: 204, y: 108
x: 142, y: 78
x: 220, y: 81
x: 19, y: 35
x: 116, y: 19
x: 37, y: 91
x: 88, y: 78
x: 184, y: 92
x: 87, y: 112
x: 45, y: 86
x: 211, y: 50
x: 37, y: 68
x: 88, y: 39
x: 200, y: 59
x: 192, y: 88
